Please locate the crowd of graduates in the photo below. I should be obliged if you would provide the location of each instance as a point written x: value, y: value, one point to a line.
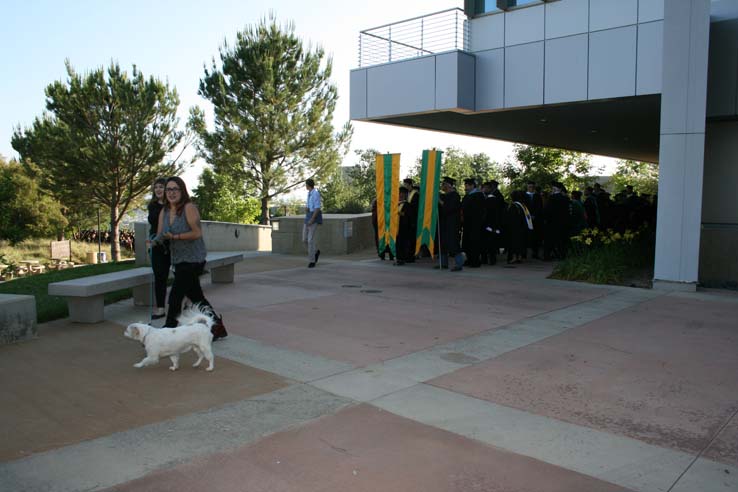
x: 472, y: 230
x: 125, y: 237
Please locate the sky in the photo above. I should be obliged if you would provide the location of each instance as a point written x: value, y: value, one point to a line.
x: 173, y: 39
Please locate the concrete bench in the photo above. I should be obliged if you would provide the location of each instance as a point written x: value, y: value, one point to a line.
x: 86, y: 295
x: 17, y: 318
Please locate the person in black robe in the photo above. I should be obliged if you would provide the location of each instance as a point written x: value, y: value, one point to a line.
x: 472, y: 217
x: 557, y: 217
x: 590, y: 206
x: 534, y: 203
x: 516, y: 228
x: 449, y: 225
x: 411, y: 211
x: 494, y: 206
x: 405, y: 232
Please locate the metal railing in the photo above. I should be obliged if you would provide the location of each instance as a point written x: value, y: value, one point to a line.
x: 425, y: 35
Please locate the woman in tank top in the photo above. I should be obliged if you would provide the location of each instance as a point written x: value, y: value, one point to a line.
x: 179, y: 222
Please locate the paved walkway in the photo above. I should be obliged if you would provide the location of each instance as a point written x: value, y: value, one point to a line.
x: 361, y: 376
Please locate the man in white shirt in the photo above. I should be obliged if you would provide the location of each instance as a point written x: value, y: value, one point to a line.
x: 313, y: 217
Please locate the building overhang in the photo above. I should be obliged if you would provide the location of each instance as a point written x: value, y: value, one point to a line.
x: 627, y: 127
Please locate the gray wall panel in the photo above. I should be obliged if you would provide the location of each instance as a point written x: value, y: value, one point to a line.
x: 650, y: 56
x: 650, y: 10
x: 467, y: 82
x: 720, y: 202
x: 400, y: 88
x: 567, y: 18
x: 490, y: 79
x: 566, y: 69
x: 357, y: 98
x: 673, y: 83
x: 487, y: 32
x: 698, y: 56
x: 524, y: 75
x: 612, y: 63
x: 606, y: 14
x: 455, y: 81
x: 524, y: 25
x: 447, y: 87
x: 722, y: 69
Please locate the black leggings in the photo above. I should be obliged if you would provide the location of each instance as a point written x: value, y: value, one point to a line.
x: 160, y: 261
x: 186, y: 284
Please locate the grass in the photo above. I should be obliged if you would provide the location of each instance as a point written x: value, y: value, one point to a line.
x: 38, y: 249
x: 51, y: 307
x: 617, y: 263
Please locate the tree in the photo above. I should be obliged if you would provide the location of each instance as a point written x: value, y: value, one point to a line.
x: 544, y: 165
x: 362, y: 177
x: 459, y: 165
x: 24, y: 210
x: 273, y: 105
x: 220, y: 197
x: 644, y: 176
x: 103, y: 140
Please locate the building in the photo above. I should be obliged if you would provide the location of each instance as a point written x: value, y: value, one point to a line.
x: 650, y: 80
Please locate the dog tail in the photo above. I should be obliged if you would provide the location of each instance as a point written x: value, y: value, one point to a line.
x: 197, y: 313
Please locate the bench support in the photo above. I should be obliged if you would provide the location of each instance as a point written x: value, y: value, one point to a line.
x: 86, y: 309
x: 222, y: 274
x: 17, y: 318
x: 142, y: 295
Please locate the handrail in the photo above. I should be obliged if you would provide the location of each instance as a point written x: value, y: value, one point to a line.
x: 440, y: 31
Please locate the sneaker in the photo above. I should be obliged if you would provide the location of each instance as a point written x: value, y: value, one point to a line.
x: 317, y: 255
x: 218, y: 329
x: 456, y: 269
x: 311, y: 264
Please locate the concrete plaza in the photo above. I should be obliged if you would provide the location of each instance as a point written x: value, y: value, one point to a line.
x: 362, y: 376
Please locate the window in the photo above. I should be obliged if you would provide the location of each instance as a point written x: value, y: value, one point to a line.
x: 486, y: 6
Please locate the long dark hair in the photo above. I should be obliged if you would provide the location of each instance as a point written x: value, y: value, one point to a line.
x: 184, y: 197
x: 163, y: 182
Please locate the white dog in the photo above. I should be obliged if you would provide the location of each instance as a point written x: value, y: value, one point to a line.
x: 193, y: 333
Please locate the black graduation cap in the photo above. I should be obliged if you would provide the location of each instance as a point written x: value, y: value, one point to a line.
x: 470, y: 181
x: 449, y: 180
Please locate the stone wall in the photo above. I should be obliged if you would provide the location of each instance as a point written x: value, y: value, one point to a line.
x: 219, y: 236
x: 339, y: 234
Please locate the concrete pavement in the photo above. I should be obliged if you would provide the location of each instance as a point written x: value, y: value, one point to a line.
x: 359, y: 375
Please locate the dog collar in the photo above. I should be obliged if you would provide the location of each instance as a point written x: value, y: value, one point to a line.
x: 143, y: 342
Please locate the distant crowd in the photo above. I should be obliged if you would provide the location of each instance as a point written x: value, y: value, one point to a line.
x: 126, y: 237
x: 533, y: 221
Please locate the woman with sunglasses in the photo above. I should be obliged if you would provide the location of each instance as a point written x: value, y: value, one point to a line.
x: 179, y: 222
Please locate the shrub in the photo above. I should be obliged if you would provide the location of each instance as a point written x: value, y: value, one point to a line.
x: 608, y: 257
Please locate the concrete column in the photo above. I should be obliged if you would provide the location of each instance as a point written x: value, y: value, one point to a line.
x: 682, y: 143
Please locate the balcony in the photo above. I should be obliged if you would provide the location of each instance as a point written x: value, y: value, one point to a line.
x: 414, y: 66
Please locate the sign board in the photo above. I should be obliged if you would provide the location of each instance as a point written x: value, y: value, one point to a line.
x: 61, y: 250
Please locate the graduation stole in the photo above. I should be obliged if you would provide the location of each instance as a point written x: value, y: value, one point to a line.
x: 430, y: 181
x: 528, y: 219
x: 388, y: 217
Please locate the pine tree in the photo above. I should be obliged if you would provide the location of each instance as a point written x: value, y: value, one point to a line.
x: 274, y: 104
x: 103, y: 140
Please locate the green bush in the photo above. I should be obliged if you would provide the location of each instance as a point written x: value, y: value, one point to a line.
x: 608, y: 257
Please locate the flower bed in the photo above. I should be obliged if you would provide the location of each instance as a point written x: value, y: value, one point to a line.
x: 609, y: 257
